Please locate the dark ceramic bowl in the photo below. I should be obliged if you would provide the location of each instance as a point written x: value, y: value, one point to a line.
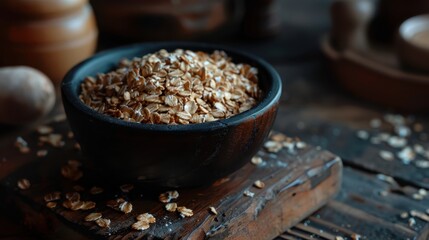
x: 169, y: 155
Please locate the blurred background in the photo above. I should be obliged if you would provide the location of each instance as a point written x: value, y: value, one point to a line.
x: 324, y: 50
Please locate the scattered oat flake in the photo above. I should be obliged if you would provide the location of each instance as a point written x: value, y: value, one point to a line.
x: 375, y: 123
x: 417, y: 196
x: 411, y: 222
x: 24, y: 184
x: 257, y: 160
x: 273, y: 146
x: 168, y: 196
x: 87, y: 205
x: 171, y: 207
x: 22, y: 145
x: 146, y: 217
x: 248, y: 193
x: 93, y: 217
x: 53, y: 196
x: 404, y: 215
x: 422, y: 163
x: 96, y: 190
x: 301, y: 145
x: 259, y: 184
x: 213, y: 210
x: 383, y: 193
x: 140, y: 225
x: 43, y: 129
x: 54, y: 139
x: 406, y: 155
x: 339, y: 238
x: 126, y: 188
x: 42, y: 153
x: 185, y: 212
x: 126, y: 207
x: 386, y: 155
x: 423, y: 216
x: 115, y: 203
x: 72, y: 205
x: 103, y: 222
x: 402, y: 130
x: 397, y: 142
x: 51, y: 204
x: 423, y: 192
x: 279, y: 137
x: 355, y: 236
x: 386, y: 178
x: 361, y: 134
x: 73, y: 196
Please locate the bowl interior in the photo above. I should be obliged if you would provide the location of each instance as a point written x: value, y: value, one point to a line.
x: 269, y: 81
x: 416, y: 31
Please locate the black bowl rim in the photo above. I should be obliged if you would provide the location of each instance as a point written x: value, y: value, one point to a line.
x: 270, y: 98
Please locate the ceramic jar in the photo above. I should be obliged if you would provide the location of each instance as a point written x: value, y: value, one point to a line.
x: 50, y: 35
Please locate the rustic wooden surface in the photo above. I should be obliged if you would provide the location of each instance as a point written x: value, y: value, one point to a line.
x: 296, y: 184
x: 317, y: 110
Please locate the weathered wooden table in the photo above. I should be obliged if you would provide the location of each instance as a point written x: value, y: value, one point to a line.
x: 380, y: 199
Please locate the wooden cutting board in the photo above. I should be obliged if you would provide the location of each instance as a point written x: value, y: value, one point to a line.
x: 297, y: 182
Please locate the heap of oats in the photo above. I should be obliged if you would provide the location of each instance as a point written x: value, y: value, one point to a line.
x: 179, y: 87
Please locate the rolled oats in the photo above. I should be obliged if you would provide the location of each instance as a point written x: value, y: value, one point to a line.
x: 140, y: 225
x: 22, y: 145
x: 259, y: 184
x: 44, y: 130
x: 143, y: 221
x: 257, y: 160
x: 73, y: 196
x: 185, y: 212
x: 87, y: 205
x: 180, y: 87
x: 54, y: 139
x: 125, y: 207
x: 42, y: 153
x: 103, y: 222
x: 24, y: 184
x: 168, y: 196
x: 96, y: 190
x: 171, y: 207
x: 51, y: 204
x: 248, y: 193
x: 93, y: 217
x: 213, y: 210
x: 53, y: 196
x: 146, y: 217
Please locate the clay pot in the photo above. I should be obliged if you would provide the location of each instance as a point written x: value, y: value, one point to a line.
x: 50, y: 35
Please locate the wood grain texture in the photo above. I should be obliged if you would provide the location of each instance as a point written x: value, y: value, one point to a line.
x: 297, y: 184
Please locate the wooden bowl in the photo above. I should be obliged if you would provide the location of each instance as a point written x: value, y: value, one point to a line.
x: 413, y: 43
x: 169, y: 155
x: 376, y: 76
